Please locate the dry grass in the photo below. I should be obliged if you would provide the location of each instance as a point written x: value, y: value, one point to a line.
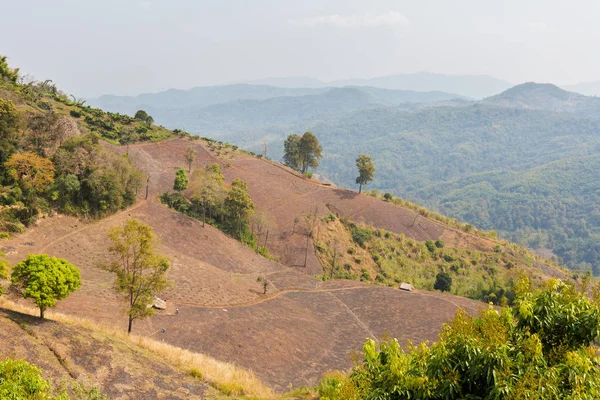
x: 225, y: 377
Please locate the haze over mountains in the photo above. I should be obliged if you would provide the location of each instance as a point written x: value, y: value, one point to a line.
x: 475, y: 86
x: 506, y: 162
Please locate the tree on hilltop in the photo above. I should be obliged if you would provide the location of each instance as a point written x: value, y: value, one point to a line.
x: 302, y: 152
x: 143, y: 116
x: 45, y: 279
x: 140, y: 271
x: 366, y: 169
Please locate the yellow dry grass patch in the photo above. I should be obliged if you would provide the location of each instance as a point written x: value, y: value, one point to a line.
x: 224, y: 376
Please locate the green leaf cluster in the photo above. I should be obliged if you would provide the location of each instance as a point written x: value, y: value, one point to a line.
x: 45, y: 279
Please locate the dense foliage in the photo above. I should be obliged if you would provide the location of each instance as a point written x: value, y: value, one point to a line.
x: 539, y: 349
x: 45, y: 279
x: 52, y: 158
x: 20, y: 380
x: 302, y: 152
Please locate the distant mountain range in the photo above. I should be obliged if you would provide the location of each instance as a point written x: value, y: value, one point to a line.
x: 474, y: 86
x: 546, y: 96
x: 586, y: 88
x: 523, y: 161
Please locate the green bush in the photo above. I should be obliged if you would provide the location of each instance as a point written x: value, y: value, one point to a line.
x: 361, y: 235
x: 430, y: 246
x: 539, y: 349
x: 75, y: 113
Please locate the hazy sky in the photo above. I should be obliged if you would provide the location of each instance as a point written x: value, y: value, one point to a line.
x: 93, y: 47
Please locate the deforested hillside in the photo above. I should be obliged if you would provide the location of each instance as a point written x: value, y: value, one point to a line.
x: 270, y: 270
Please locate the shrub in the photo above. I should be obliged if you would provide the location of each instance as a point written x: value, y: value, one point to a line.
x: 443, y: 282
x: 308, y: 174
x: 430, y: 246
x: 20, y: 380
x: 439, y: 244
x: 364, y: 275
x: 361, y: 236
x: 388, y: 196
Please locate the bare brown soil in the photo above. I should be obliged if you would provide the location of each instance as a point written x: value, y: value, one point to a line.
x: 69, y: 354
x: 302, y: 327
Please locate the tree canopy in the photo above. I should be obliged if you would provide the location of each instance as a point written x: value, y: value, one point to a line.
x: 366, y: 169
x: 302, y: 152
x: 45, y: 279
x: 181, y: 180
x: 140, y: 271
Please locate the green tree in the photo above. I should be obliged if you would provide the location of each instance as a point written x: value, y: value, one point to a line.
x: 303, y: 152
x: 7, y: 73
x: 443, y: 282
x: 141, y: 115
x: 45, y: 279
x: 310, y: 151
x: 291, y: 152
x: 366, y: 169
x: 238, y: 205
x: 207, y: 192
x: 140, y: 271
x: 189, y: 156
x: 181, y: 180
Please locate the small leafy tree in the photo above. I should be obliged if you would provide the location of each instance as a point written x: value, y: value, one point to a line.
x: 181, y: 180
x: 291, y: 152
x: 140, y: 271
x: 207, y: 193
x: 310, y: 151
x: 189, y: 156
x: 45, y: 279
x: 141, y: 115
x: 443, y: 282
x: 264, y: 282
x: 238, y: 205
x: 366, y: 169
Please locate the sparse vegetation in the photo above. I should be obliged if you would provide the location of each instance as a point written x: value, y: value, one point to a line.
x: 264, y: 282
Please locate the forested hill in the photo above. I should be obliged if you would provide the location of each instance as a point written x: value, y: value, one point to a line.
x: 495, y: 163
x: 530, y: 174
x: 546, y: 97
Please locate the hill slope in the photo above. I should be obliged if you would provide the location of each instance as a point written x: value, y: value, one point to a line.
x: 546, y: 97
